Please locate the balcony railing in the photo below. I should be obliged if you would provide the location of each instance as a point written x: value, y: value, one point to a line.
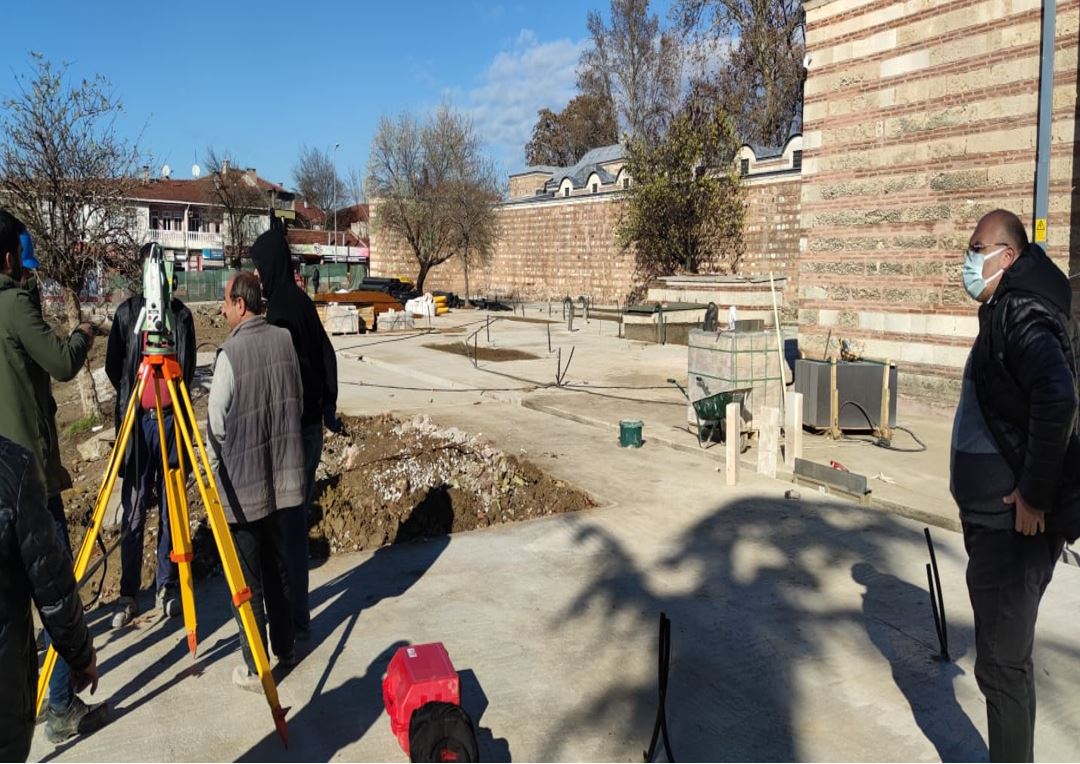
x: 185, y: 239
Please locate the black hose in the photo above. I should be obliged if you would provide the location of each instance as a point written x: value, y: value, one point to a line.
x: 882, y: 442
x: 660, y: 729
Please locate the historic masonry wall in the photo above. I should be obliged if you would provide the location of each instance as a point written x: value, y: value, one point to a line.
x: 547, y: 250
x: 919, y: 117
x: 558, y: 247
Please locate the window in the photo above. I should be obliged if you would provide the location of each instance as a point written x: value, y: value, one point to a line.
x: 566, y: 191
x: 594, y: 188
x: 744, y: 167
x: 625, y: 183
x: 796, y: 160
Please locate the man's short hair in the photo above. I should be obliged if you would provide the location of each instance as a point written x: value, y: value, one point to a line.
x: 10, y: 230
x: 1012, y: 228
x: 246, y: 287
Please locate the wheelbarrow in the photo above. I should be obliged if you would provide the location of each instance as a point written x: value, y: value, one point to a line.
x: 711, y: 413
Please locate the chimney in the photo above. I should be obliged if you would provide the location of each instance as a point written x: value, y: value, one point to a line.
x: 224, y: 166
x: 146, y: 173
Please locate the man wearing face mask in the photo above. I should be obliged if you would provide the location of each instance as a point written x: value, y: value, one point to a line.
x: 1015, y: 466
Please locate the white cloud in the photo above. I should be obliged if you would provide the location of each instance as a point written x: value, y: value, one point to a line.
x: 517, y: 83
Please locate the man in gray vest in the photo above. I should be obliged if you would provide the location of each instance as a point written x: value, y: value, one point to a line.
x: 253, y: 426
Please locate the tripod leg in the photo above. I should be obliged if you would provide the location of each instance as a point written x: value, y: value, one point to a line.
x: 181, y: 532
x: 241, y: 594
x: 107, y: 483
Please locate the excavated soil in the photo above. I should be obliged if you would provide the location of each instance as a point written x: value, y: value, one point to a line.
x: 382, y: 482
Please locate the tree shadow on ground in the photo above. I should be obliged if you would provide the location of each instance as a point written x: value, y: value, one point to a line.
x: 760, y: 605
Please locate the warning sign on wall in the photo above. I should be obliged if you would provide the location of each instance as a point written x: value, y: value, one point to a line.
x: 1040, y: 230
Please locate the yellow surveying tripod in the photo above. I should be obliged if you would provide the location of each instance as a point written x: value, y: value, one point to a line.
x: 159, y: 366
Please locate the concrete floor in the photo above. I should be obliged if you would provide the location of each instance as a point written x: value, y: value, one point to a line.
x: 801, y: 629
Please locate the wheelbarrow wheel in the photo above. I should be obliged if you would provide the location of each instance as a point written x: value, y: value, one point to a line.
x: 744, y: 441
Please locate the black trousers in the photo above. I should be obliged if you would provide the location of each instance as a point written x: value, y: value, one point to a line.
x: 260, y: 545
x: 1007, y: 574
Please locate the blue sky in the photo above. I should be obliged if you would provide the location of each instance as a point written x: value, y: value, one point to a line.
x: 261, y: 79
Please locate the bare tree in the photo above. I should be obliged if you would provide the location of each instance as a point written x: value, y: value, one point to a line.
x: 760, y: 74
x: 354, y: 186
x: 634, y: 63
x: 240, y: 200
x: 317, y: 180
x: 562, y: 138
x: 472, y: 190
x: 67, y: 175
x: 424, y: 181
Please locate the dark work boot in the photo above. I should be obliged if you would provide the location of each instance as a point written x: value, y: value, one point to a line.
x: 79, y: 719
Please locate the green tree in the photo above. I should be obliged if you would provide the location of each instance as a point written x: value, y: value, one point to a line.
x: 684, y: 210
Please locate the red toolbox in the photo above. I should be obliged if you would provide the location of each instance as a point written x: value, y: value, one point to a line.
x: 417, y: 674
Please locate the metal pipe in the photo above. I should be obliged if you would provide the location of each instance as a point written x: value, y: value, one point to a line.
x: 1046, y: 108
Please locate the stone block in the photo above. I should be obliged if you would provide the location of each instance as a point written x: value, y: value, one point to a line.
x: 97, y: 446
x: 904, y: 64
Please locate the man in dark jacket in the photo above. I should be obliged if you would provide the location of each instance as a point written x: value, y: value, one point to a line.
x: 1015, y: 468
x: 30, y: 354
x: 289, y: 307
x: 34, y: 567
x: 253, y: 429
x: 143, y: 476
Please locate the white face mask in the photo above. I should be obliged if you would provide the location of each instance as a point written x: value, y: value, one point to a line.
x: 974, y: 262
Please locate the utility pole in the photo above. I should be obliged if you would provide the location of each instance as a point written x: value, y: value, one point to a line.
x: 1046, y: 118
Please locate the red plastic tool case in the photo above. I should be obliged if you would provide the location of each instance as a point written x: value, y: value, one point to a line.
x: 417, y: 674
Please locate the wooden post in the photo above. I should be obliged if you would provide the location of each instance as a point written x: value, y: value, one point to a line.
x: 779, y: 342
x: 884, y: 430
x: 733, y: 430
x: 834, y: 404
x: 768, y: 440
x: 793, y: 429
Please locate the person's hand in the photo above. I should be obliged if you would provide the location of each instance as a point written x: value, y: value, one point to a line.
x: 88, y: 677
x: 331, y: 421
x: 87, y: 329
x: 1029, y: 521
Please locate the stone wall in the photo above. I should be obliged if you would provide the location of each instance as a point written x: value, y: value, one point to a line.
x: 547, y: 250
x: 919, y: 118
x: 560, y: 247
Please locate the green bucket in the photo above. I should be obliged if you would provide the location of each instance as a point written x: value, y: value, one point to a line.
x: 630, y: 433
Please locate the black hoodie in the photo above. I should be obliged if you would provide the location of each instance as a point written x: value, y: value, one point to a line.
x: 289, y: 307
x: 1024, y: 365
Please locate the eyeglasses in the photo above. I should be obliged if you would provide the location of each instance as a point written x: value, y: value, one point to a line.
x: 979, y: 248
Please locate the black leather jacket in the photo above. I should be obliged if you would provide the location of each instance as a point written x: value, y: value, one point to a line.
x: 1024, y: 365
x: 33, y: 565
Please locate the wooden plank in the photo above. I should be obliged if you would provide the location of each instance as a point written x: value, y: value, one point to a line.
x: 793, y: 429
x: 848, y: 482
x: 768, y: 440
x: 733, y: 428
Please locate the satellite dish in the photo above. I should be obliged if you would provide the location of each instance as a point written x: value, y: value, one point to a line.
x: 166, y: 171
x: 195, y: 171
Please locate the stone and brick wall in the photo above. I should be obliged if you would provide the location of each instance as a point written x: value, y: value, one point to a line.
x: 567, y: 246
x: 547, y: 250
x: 919, y: 117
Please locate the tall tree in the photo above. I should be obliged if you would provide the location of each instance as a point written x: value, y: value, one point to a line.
x: 684, y: 209
x: 561, y: 139
x: 317, y: 180
x: 424, y: 181
x: 637, y: 64
x: 67, y: 174
x: 756, y: 69
x: 240, y: 200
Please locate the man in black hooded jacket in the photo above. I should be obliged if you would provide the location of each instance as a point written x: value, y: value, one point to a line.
x: 34, y: 567
x: 289, y: 307
x: 1015, y: 468
x: 142, y: 475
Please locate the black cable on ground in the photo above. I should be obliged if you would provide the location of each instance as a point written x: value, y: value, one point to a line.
x: 660, y: 729
x: 882, y: 442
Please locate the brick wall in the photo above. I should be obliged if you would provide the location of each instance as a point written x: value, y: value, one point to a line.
x: 772, y: 231
x: 919, y: 118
